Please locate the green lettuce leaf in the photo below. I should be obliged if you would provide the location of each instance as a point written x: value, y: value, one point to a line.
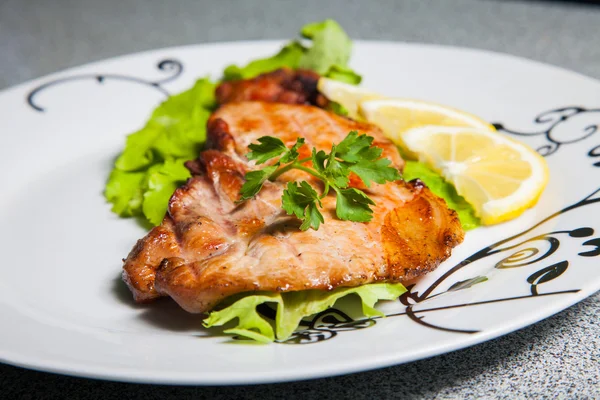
x: 151, y: 166
x: 330, y: 46
x: 289, y: 56
x: 444, y: 189
x: 337, y: 108
x: 161, y: 180
x: 292, y: 307
x: 328, y: 55
x: 343, y: 74
x: 175, y: 130
x: 124, y: 191
x: 147, y: 192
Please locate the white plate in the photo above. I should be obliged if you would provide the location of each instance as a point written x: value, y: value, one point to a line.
x: 64, y: 309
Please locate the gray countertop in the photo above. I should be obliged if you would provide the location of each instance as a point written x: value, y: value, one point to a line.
x: 557, y: 357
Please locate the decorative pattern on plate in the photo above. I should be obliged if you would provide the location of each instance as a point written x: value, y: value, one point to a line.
x: 565, y: 119
x: 174, y: 67
x: 327, y: 324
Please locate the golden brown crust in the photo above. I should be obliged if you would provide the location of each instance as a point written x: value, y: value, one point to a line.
x: 281, y: 86
x: 218, y: 136
x: 419, y: 235
x: 140, y: 266
x: 209, y: 247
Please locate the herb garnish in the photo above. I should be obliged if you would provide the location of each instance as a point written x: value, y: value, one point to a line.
x: 353, y: 154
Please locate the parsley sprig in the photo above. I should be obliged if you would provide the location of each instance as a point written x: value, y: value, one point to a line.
x: 353, y: 154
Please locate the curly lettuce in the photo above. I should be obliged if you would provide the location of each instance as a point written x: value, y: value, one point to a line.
x: 151, y: 164
x: 145, y: 192
x: 150, y: 167
x: 288, y: 56
x: 292, y: 307
x: 328, y: 55
x: 176, y: 129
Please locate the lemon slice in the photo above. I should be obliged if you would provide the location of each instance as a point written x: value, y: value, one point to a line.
x: 500, y: 177
x: 397, y: 116
x: 349, y: 96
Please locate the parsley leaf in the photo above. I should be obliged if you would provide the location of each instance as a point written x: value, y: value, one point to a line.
x: 333, y: 170
x: 336, y: 171
x: 354, y: 154
x: 254, y: 182
x: 301, y: 200
x: 353, y: 205
x: 292, y: 154
x: 269, y: 147
x: 318, y: 160
x: 357, y: 147
x: 312, y: 218
x: 376, y: 171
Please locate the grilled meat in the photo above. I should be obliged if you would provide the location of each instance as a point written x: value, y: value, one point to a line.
x: 209, y: 247
x: 281, y: 86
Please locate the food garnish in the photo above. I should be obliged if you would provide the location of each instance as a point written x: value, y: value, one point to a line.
x: 498, y: 183
x: 150, y: 167
x: 398, y: 116
x: 152, y: 161
x: 292, y: 307
x: 328, y: 56
x: 355, y: 154
x: 499, y: 176
x: 347, y: 96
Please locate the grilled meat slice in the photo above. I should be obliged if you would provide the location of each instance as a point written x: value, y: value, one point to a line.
x: 280, y: 86
x: 208, y: 247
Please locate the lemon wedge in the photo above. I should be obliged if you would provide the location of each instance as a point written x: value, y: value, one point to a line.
x: 500, y: 177
x: 349, y: 96
x: 397, y: 116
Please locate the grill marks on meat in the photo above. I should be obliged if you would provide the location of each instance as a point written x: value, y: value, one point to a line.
x: 208, y: 247
x: 281, y: 86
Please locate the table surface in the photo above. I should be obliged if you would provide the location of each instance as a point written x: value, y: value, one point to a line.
x: 557, y: 357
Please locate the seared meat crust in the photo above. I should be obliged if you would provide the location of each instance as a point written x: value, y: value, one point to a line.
x: 209, y: 247
x: 280, y: 86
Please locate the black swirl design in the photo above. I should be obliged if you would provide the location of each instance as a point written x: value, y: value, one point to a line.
x: 595, y: 153
x: 553, y: 121
x: 546, y: 275
x: 523, y: 253
x: 594, y: 252
x: 529, y: 255
x: 174, y: 69
x: 326, y: 325
x: 520, y: 257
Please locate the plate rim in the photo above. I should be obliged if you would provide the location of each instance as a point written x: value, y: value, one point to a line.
x: 130, y: 375
x: 275, y: 42
x: 332, y: 369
